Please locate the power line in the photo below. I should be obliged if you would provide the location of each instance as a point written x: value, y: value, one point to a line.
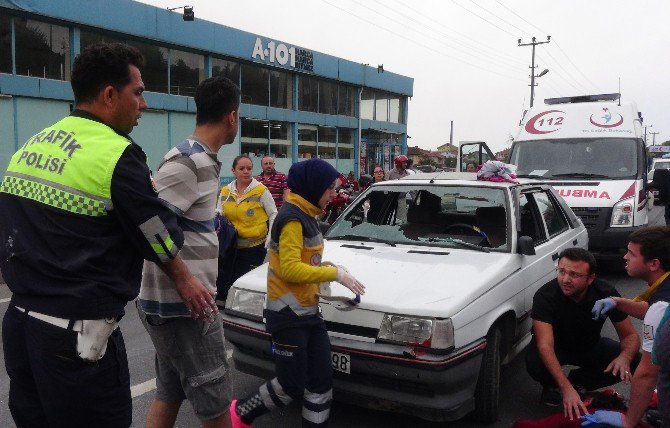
x: 491, y: 52
x: 482, y: 18
x: 577, y: 68
x: 521, y: 17
x: 417, y: 43
x: 566, y: 71
x: 487, y: 58
x: 499, y: 18
x: 482, y: 45
x: 559, y: 74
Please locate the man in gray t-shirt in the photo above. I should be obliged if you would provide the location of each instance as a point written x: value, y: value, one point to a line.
x: 661, y: 357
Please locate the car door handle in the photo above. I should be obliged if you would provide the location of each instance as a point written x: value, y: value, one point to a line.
x: 554, y: 256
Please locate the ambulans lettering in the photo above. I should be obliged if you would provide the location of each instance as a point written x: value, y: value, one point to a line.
x: 579, y: 193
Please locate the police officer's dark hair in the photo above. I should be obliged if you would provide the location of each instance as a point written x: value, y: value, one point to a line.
x: 579, y: 255
x: 654, y: 243
x: 100, y: 65
x: 237, y: 159
x: 215, y: 98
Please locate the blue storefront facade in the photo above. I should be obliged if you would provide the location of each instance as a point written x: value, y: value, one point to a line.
x: 296, y: 103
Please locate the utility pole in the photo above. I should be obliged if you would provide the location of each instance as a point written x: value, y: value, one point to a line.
x: 653, y: 138
x: 533, y: 66
x: 645, y: 132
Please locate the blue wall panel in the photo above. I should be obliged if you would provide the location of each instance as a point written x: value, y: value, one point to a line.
x: 152, y: 135
x: 33, y: 115
x: 7, y: 146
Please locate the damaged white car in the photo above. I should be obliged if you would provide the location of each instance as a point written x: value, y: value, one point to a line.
x: 450, y: 266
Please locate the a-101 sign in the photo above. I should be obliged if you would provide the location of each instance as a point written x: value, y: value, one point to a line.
x: 279, y: 53
x: 659, y: 149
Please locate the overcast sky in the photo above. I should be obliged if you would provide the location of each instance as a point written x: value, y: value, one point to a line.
x: 464, y: 55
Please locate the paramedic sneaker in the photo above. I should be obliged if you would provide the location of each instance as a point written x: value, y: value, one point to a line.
x: 551, y: 397
x: 235, y: 420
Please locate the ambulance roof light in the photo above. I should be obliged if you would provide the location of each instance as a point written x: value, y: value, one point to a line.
x: 582, y: 99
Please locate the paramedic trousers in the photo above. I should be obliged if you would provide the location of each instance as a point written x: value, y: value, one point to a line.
x: 50, y: 386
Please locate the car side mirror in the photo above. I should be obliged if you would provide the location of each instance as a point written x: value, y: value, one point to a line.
x: 323, y: 227
x: 525, y: 246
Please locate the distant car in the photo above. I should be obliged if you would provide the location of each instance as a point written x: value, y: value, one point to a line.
x: 657, y: 164
x: 425, y: 168
x: 450, y: 277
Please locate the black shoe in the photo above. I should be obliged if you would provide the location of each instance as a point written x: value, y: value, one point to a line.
x: 551, y: 397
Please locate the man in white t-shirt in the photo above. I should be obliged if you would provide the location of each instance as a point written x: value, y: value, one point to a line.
x: 647, y: 258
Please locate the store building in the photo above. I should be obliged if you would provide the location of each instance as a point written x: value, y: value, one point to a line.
x: 296, y: 103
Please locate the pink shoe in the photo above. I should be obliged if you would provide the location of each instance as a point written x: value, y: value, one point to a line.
x: 235, y: 420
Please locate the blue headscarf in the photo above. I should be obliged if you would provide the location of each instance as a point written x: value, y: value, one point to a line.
x: 311, y: 178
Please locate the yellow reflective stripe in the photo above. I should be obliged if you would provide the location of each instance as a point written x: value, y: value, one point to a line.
x: 53, y: 197
x: 168, y: 243
x: 158, y: 249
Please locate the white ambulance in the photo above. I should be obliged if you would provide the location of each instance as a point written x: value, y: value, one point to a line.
x: 591, y: 150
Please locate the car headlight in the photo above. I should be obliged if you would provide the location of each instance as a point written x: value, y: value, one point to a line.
x: 248, y: 304
x: 622, y: 214
x: 430, y: 333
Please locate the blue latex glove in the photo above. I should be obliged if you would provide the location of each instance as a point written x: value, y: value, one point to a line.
x: 609, y: 417
x: 602, y: 307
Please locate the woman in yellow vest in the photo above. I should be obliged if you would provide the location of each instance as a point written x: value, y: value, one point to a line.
x: 249, y: 206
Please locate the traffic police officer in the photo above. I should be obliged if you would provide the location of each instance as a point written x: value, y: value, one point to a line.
x: 79, y: 215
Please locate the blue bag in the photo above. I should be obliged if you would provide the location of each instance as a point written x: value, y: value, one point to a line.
x: 226, y: 233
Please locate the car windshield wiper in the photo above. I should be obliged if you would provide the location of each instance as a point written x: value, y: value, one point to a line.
x: 541, y: 177
x: 581, y: 175
x: 362, y: 238
x: 460, y: 243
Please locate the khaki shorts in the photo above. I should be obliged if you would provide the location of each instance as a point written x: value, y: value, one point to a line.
x: 191, y: 363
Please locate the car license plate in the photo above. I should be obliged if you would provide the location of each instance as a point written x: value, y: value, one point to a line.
x: 341, y: 362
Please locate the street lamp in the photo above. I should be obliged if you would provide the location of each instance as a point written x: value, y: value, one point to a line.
x: 188, y: 12
x: 545, y: 71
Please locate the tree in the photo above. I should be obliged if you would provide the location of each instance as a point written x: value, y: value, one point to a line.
x: 427, y: 161
x: 666, y: 143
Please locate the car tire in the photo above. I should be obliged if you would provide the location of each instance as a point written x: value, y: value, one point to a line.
x: 487, y: 391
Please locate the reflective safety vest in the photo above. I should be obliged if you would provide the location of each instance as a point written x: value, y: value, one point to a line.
x: 247, y: 214
x: 67, y: 166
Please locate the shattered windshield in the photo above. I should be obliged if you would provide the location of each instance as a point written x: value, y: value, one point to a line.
x: 453, y: 216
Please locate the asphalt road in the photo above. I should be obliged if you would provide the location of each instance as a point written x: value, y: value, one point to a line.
x: 519, y: 396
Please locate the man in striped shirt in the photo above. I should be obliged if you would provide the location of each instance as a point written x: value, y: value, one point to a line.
x: 274, y: 180
x: 190, y: 354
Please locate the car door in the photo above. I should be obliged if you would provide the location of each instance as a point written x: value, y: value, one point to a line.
x: 544, y: 219
x: 476, y: 152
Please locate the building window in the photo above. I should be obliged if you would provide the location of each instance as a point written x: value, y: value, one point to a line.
x: 327, y: 142
x: 381, y: 107
x: 42, y: 50
x: 281, y: 89
x: 280, y: 140
x: 155, y: 71
x: 187, y: 70
x: 345, y: 146
x: 5, y: 44
x: 368, y: 104
x: 254, y: 85
x: 327, y: 97
x: 254, y: 137
x: 307, y: 141
x: 396, y: 113
x: 345, y: 100
x: 308, y: 93
x: 228, y: 69
x: 88, y: 38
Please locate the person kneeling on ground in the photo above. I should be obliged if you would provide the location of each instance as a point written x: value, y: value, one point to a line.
x: 564, y: 332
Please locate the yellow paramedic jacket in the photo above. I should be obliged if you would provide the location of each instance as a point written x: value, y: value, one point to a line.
x: 296, y: 248
x: 252, y: 212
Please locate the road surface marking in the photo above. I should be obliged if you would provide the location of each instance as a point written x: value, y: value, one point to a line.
x: 150, y: 385
x: 143, y: 388
x: 5, y: 300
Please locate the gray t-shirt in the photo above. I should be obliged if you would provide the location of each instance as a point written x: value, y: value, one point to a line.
x: 187, y: 181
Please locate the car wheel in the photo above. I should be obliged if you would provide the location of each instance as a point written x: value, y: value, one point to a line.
x: 488, y: 385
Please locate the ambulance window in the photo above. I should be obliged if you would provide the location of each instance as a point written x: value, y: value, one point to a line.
x: 551, y: 214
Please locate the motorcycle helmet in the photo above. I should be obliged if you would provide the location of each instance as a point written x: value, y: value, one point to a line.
x: 400, y: 160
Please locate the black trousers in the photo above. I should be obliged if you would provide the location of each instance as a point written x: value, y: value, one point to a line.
x: 50, y: 386
x: 590, y: 363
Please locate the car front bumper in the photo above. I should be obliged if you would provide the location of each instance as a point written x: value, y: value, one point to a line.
x: 433, y: 387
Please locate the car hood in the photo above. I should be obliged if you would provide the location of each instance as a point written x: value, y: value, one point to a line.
x: 410, y: 280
